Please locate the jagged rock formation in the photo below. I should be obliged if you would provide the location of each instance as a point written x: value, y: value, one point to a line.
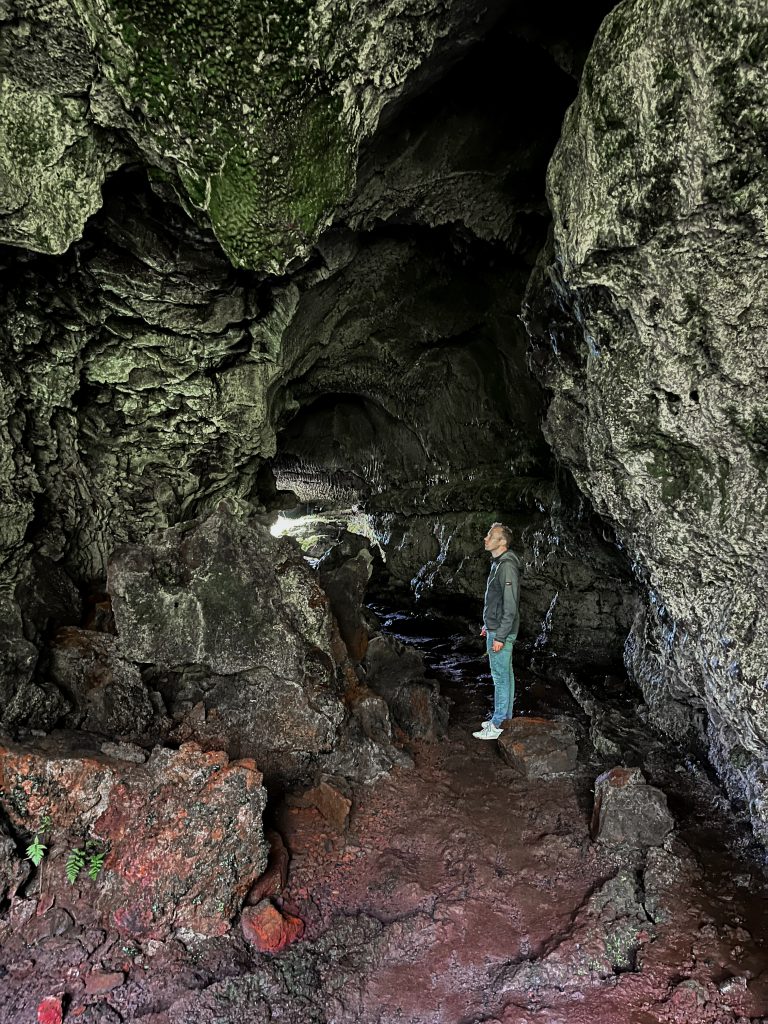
x: 55, y: 154
x: 650, y: 311
x: 233, y: 630
x: 250, y: 114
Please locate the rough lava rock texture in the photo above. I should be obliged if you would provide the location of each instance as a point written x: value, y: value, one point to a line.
x: 269, y: 930
x: 182, y: 831
x: 537, y: 747
x: 54, y: 156
x: 251, y: 114
x: 240, y: 639
x: 345, y: 572
x: 319, y: 237
x: 397, y: 673
x: 236, y: 636
x: 104, y: 687
x: 649, y: 309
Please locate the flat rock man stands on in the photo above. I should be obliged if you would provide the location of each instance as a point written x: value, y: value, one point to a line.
x: 501, y: 621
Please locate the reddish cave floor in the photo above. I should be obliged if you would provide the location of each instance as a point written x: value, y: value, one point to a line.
x: 491, y: 887
x: 474, y: 896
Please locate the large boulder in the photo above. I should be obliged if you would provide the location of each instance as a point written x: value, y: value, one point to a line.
x: 649, y: 313
x: 397, y: 673
x: 182, y: 832
x: 244, y: 647
x: 538, y: 747
x: 629, y: 812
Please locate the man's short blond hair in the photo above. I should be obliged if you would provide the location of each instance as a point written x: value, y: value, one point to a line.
x: 505, y: 532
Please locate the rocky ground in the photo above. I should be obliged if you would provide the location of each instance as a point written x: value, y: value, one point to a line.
x: 454, y: 891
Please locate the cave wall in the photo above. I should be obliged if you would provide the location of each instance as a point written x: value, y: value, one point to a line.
x: 250, y: 114
x: 648, y: 311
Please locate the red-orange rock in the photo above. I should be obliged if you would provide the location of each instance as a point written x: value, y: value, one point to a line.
x: 331, y: 803
x: 183, y: 831
x: 50, y: 1011
x: 266, y: 928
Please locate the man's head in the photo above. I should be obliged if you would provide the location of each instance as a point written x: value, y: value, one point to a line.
x: 498, y: 539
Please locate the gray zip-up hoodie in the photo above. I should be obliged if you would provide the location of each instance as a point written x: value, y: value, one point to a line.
x: 501, y: 613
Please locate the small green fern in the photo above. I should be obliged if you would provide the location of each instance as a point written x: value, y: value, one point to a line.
x: 90, y: 857
x: 36, y: 851
x: 75, y: 864
x: 95, y: 864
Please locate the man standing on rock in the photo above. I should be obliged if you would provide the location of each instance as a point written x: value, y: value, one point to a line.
x: 501, y: 621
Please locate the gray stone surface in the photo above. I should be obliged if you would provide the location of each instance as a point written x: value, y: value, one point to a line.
x: 105, y: 689
x: 628, y: 812
x: 54, y: 157
x: 344, y: 573
x: 396, y: 673
x: 241, y: 620
x: 538, y: 747
x: 650, y: 313
x: 14, y: 871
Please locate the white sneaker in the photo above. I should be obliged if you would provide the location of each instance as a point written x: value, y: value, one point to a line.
x: 488, y: 732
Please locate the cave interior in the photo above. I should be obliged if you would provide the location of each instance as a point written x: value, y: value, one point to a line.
x: 298, y: 299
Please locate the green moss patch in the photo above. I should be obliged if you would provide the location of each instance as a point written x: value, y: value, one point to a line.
x: 236, y: 97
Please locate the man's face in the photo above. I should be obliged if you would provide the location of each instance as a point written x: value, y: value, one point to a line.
x: 494, y: 539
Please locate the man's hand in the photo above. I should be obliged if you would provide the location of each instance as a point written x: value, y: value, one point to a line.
x: 483, y: 631
x: 496, y: 646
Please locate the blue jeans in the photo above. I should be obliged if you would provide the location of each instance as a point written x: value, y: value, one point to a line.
x: 503, y: 678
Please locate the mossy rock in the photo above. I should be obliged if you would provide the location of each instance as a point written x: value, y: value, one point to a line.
x: 236, y: 100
